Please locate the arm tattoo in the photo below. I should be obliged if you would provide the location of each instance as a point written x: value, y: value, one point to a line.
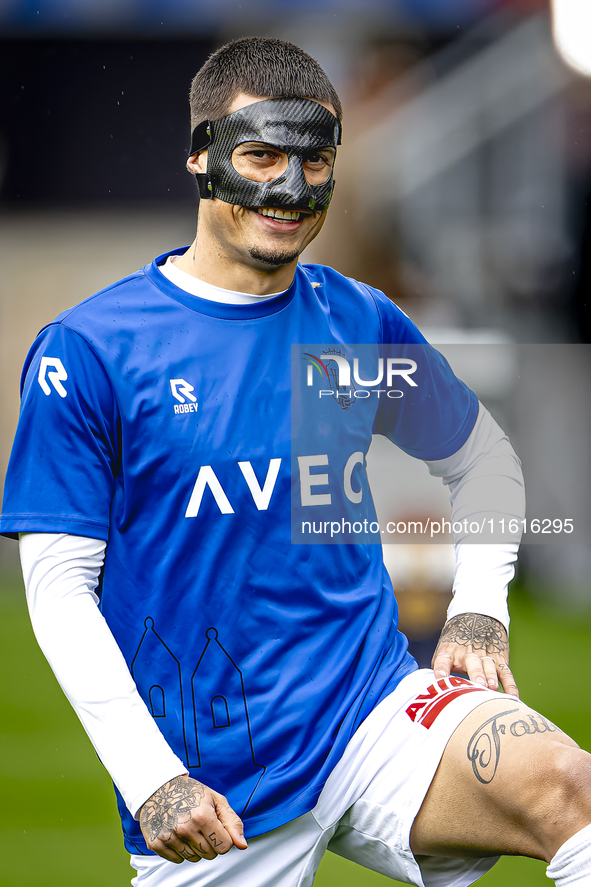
x: 476, y: 631
x: 484, y: 748
x: 170, y: 807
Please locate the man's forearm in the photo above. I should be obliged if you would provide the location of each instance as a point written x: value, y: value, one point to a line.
x: 481, y: 580
x: 61, y: 573
x: 486, y: 486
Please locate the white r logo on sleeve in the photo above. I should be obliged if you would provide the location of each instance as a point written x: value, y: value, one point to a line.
x: 56, y: 376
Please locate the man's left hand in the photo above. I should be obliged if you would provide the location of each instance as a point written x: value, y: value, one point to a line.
x: 476, y: 646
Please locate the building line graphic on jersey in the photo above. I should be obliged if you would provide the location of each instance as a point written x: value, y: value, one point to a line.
x: 157, y: 674
x: 216, y: 728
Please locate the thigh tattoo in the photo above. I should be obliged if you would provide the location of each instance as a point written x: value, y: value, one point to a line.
x: 484, y: 747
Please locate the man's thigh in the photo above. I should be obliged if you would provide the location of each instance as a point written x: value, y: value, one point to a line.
x: 509, y: 782
x: 406, y: 737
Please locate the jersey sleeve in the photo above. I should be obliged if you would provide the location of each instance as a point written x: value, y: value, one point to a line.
x: 435, y: 416
x: 64, y: 459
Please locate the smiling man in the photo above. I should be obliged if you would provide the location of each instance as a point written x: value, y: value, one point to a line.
x: 232, y: 681
x: 267, y: 169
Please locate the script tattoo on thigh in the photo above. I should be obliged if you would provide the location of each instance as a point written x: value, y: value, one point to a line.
x: 484, y: 747
x: 170, y: 807
x: 537, y: 724
x: 475, y: 631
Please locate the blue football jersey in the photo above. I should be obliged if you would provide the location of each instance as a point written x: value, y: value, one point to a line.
x: 164, y: 424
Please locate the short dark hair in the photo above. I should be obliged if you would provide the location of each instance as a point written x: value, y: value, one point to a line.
x: 263, y: 67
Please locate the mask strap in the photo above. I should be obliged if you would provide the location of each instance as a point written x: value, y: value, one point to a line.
x: 201, y: 138
x: 205, y: 185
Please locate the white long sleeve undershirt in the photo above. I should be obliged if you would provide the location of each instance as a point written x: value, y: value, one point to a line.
x: 61, y: 573
x: 485, y: 481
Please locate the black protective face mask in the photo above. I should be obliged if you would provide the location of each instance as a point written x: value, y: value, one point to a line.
x: 293, y: 126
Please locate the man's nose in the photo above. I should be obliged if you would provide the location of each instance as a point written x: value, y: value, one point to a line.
x: 292, y: 184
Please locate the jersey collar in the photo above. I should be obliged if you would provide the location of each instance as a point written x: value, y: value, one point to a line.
x: 215, y: 309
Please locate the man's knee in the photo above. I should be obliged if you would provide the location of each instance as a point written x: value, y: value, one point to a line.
x: 562, y: 804
x: 562, y: 775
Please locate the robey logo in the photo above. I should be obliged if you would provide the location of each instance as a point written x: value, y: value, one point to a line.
x: 55, y: 376
x: 182, y: 391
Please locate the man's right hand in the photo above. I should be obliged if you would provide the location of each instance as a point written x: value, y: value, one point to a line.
x: 186, y: 820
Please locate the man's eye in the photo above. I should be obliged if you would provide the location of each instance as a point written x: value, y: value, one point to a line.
x: 262, y: 155
x: 316, y: 159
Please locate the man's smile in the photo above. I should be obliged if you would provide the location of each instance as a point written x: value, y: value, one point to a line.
x: 281, y: 215
x: 284, y: 220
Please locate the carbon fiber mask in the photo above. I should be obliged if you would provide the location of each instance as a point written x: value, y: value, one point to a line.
x: 293, y: 126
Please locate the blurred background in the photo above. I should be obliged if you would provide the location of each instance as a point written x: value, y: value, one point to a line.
x: 463, y: 191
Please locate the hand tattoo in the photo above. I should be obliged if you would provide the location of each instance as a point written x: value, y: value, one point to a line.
x: 215, y: 842
x: 476, y: 631
x: 170, y: 807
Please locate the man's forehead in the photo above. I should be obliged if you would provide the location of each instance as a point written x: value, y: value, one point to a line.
x: 299, y: 123
x: 242, y: 100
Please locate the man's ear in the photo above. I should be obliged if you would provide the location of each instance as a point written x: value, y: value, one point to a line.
x: 197, y: 163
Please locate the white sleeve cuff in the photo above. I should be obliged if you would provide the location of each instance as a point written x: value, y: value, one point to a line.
x: 61, y: 573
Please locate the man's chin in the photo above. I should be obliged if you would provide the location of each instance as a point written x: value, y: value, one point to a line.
x: 274, y: 257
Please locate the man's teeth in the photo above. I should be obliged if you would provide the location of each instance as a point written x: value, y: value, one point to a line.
x: 282, y: 215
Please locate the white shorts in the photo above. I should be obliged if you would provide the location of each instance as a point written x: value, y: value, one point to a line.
x: 366, y: 809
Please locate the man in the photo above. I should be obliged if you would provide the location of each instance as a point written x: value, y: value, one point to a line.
x: 230, y: 676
